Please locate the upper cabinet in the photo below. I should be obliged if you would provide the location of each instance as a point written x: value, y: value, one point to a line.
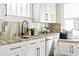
x: 36, y: 12
x: 40, y: 12
x: 2, y: 10
x: 44, y: 12
x: 19, y: 9
x: 48, y: 12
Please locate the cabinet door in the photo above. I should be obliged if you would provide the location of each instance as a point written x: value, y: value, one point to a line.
x: 36, y: 47
x: 32, y: 48
x: 19, y: 9
x: 11, y: 49
x: 16, y: 53
x: 2, y: 10
x: 12, y: 9
x: 53, y: 12
x: 36, y: 11
x: 19, y: 49
x: 42, y: 12
x: 25, y: 9
x: 8, y: 9
x: 26, y: 49
x: 4, y: 52
x: 41, y: 45
x: 63, y: 48
x: 48, y: 12
x: 76, y: 50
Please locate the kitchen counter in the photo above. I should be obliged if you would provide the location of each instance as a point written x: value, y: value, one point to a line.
x: 73, y: 40
x: 7, y: 40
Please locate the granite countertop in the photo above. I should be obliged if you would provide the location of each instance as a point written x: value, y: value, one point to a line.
x: 73, y: 40
x: 7, y: 40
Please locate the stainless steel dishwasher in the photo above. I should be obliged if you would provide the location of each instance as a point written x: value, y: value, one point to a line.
x: 49, y: 46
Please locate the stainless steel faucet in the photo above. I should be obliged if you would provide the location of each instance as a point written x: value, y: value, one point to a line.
x: 23, y: 28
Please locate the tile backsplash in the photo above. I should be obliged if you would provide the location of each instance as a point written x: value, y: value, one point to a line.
x: 55, y: 27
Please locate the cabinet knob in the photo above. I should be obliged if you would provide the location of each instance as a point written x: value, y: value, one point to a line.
x: 72, y: 50
x: 17, y: 55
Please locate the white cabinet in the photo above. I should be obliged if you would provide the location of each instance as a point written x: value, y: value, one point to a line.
x: 36, y: 12
x: 36, y: 47
x: 70, y: 49
x: 32, y: 48
x: 41, y: 44
x: 17, y: 49
x: 2, y: 10
x: 19, y: 9
x: 44, y: 12
x: 11, y: 9
x: 64, y: 48
x: 75, y: 49
x: 48, y: 12
x: 8, y: 9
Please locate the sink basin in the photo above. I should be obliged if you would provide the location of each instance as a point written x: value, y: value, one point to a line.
x: 25, y: 37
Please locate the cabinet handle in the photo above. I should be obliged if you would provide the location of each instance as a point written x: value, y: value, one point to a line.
x: 33, y: 43
x: 17, y: 55
x: 38, y: 51
x: 70, y: 48
x: 15, y: 48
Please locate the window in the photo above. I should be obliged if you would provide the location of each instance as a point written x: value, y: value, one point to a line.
x: 71, y: 18
x: 71, y: 10
x: 68, y: 24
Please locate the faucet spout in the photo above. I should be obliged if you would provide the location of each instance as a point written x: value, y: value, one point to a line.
x: 26, y: 31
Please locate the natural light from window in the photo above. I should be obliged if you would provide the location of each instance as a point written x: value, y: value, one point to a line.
x: 71, y: 13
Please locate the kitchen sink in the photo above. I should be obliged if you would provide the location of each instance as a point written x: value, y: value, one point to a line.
x: 25, y: 37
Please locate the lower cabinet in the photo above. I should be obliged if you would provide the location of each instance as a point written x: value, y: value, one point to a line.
x: 63, y: 48
x: 36, y: 47
x: 68, y: 49
x: 32, y: 48
x: 76, y: 50
x: 17, y: 49
x: 42, y: 46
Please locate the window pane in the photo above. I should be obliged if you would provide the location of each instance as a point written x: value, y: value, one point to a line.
x: 71, y: 10
x: 68, y: 25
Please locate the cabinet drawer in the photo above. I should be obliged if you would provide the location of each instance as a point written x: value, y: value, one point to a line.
x: 32, y: 42
x: 41, y: 40
x: 16, y: 46
x: 10, y: 49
